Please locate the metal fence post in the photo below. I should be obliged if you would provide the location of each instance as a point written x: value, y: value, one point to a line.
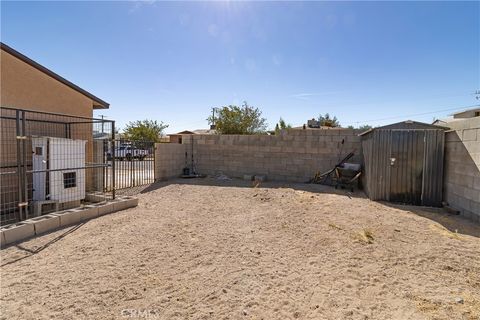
x: 24, y: 161
x: 19, y: 156
x: 113, y: 160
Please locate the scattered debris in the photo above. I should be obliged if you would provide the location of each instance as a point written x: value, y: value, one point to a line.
x: 365, y: 236
x: 451, y: 210
x: 260, y: 178
x: 347, y: 176
x: 222, y: 177
x: 459, y: 300
x: 326, y: 177
x: 444, y: 231
x: 334, y: 226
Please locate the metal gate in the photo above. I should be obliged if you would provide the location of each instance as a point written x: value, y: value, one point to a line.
x: 132, y: 162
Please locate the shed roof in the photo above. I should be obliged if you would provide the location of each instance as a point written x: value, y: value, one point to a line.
x: 407, y: 125
x: 97, y: 102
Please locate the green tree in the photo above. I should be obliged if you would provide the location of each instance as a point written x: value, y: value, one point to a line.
x: 239, y: 120
x: 327, y: 121
x: 147, y: 130
x: 365, y: 127
x: 282, y: 125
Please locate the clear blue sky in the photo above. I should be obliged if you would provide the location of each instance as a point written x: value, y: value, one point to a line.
x: 173, y: 62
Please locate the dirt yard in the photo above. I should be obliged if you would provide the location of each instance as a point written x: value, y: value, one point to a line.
x: 210, y: 249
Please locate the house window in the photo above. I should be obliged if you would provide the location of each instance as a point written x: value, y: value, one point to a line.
x: 477, y: 113
x: 38, y: 151
x: 69, y: 180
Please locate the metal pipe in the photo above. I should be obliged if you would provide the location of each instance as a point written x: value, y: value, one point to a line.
x: 101, y: 165
x: 24, y: 162
x: 19, y: 182
x: 113, y: 159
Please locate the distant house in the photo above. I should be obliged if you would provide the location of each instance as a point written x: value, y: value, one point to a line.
x: 460, y: 119
x: 178, y: 137
x: 471, y: 113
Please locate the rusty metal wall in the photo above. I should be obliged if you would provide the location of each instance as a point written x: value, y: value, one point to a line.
x: 404, y: 166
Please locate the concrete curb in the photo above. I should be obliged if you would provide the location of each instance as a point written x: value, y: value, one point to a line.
x: 68, y: 217
x: 53, y: 221
x: 45, y: 223
x: 18, y: 231
x: 104, y: 208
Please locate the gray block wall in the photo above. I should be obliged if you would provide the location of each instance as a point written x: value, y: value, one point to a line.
x: 462, y: 167
x: 169, y: 160
x: 291, y: 156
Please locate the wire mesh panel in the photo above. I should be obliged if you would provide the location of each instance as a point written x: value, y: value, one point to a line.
x: 51, y: 162
x: 134, y: 163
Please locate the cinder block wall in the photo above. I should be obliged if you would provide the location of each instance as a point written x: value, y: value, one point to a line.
x: 169, y: 160
x: 294, y: 155
x: 462, y: 167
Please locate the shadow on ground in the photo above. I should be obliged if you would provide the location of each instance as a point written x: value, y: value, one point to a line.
x: 28, y: 252
x: 453, y: 223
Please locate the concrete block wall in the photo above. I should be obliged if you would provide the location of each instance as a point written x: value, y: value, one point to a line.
x: 294, y: 155
x: 169, y: 160
x: 462, y: 167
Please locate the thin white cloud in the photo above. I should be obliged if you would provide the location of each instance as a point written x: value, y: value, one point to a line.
x: 277, y: 60
x: 184, y: 19
x: 138, y: 4
x: 250, y: 65
x: 307, y: 96
x: 213, y: 30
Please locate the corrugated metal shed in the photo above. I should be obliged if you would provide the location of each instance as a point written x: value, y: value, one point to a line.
x: 403, y: 162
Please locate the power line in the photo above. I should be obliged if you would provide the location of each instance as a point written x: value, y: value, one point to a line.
x: 417, y: 114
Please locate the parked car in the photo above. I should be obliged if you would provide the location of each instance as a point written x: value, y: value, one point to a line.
x: 129, y: 153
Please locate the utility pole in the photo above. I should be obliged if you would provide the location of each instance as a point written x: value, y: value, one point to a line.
x: 102, y: 116
x: 212, y: 126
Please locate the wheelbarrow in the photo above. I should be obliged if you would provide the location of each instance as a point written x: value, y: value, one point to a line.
x: 347, y: 176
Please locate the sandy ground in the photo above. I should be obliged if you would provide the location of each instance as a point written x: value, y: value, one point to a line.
x: 230, y: 251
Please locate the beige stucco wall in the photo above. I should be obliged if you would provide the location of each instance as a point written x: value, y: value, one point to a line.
x: 24, y: 87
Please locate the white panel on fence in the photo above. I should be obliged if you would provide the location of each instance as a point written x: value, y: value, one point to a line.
x: 39, y: 162
x: 66, y: 162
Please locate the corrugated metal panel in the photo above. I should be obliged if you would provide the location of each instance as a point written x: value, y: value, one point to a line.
x: 416, y: 174
x: 433, y: 168
x: 376, y: 159
x: 407, y: 168
x: 382, y: 166
x: 367, y: 163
